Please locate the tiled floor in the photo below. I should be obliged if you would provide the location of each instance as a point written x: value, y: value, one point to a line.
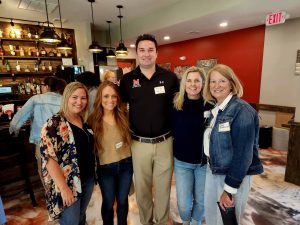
x: 271, y: 202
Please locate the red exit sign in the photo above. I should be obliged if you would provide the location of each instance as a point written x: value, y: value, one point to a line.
x: 275, y: 18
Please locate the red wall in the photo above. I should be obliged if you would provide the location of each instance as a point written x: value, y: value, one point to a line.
x: 242, y: 50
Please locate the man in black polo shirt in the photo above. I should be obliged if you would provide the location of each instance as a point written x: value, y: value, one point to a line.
x: 149, y: 90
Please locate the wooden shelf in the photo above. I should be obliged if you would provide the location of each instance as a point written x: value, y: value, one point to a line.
x: 13, y: 74
x: 31, y: 57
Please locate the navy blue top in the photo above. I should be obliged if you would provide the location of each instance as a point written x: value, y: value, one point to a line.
x: 188, y: 129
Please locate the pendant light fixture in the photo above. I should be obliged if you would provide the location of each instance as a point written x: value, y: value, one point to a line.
x: 63, y: 45
x: 49, y: 34
x: 111, y: 53
x: 94, y: 47
x: 121, y: 50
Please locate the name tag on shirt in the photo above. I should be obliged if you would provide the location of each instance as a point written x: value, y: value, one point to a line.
x: 119, y: 145
x: 90, y: 131
x: 206, y: 114
x: 159, y: 90
x: 224, y: 127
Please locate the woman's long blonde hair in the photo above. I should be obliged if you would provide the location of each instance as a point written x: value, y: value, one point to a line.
x: 95, y: 120
x: 179, y: 97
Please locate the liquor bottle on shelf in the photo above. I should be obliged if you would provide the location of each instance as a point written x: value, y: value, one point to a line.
x: 66, y: 53
x: 38, y: 87
x: 1, y: 33
x: 37, y: 52
x: 2, y: 53
x: 29, y: 52
x: 21, y: 88
x: 33, y: 86
x: 29, y: 35
x: 12, y: 50
x: 44, y: 67
x: 51, y: 53
x: 27, y: 86
x: 27, y: 70
x: 43, y: 52
x: 22, y: 53
x: 50, y: 68
x: 36, y: 34
x: 18, y: 67
x: 7, y: 65
x: 58, y: 54
x: 36, y: 67
x: 12, y: 33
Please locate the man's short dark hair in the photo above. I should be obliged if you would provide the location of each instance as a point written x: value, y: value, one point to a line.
x: 146, y: 37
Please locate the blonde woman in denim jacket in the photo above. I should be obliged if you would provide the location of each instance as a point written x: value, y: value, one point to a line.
x: 230, y: 144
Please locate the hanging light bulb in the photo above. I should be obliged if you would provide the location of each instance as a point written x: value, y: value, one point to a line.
x: 49, y: 34
x: 121, y: 50
x: 111, y: 53
x: 94, y: 47
x: 63, y: 45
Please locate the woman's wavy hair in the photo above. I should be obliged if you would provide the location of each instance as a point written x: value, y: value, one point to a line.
x: 95, y: 120
x: 179, y: 97
x: 227, y: 72
x: 68, y: 91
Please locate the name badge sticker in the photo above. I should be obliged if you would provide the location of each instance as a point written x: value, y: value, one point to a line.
x: 90, y: 131
x: 206, y: 114
x: 224, y: 127
x: 119, y: 145
x: 159, y: 90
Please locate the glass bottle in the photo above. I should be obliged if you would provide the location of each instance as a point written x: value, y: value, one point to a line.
x: 50, y: 68
x: 58, y: 54
x: 36, y: 67
x: 36, y: 34
x: 1, y: 51
x: 44, y: 67
x: 12, y: 33
x: 51, y: 53
x: 22, y: 53
x: 1, y: 33
x: 27, y: 86
x: 27, y: 70
x: 29, y: 52
x: 43, y: 52
x: 29, y: 35
x: 18, y: 67
x: 7, y: 65
x: 12, y: 50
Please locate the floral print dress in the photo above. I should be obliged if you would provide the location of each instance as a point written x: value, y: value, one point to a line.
x: 57, y: 143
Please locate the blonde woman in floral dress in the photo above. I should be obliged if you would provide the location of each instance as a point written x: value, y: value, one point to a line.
x: 68, y: 160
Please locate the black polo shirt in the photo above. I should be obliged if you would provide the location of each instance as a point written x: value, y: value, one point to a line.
x: 150, y: 101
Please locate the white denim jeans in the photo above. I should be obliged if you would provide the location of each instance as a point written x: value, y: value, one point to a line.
x: 214, y: 187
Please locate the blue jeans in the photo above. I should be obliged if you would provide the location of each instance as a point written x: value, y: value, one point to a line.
x: 115, y: 181
x: 190, y: 185
x: 75, y: 214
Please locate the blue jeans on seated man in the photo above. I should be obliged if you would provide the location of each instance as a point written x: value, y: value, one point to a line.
x: 115, y: 181
x: 190, y: 185
x: 76, y: 213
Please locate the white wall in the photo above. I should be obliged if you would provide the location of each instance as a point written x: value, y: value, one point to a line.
x: 279, y: 84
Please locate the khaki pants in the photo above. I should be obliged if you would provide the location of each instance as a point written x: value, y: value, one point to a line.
x: 153, y: 166
x: 39, y: 162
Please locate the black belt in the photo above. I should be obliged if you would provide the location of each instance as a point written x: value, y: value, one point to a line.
x: 154, y: 140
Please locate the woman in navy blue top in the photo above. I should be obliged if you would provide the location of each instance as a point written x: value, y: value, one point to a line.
x: 188, y: 118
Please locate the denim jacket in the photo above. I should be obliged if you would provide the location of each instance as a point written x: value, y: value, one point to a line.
x: 233, y: 146
x: 38, y: 108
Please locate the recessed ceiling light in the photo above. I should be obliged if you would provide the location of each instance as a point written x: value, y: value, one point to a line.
x: 132, y: 45
x: 224, y: 24
x: 166, y: 38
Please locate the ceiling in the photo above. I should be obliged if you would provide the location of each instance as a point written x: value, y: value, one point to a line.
x: 180, y: 19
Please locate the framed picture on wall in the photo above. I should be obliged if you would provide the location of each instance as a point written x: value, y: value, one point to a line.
x: 166, y: 66
x: 206, y: 64
x: 179, y: 70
